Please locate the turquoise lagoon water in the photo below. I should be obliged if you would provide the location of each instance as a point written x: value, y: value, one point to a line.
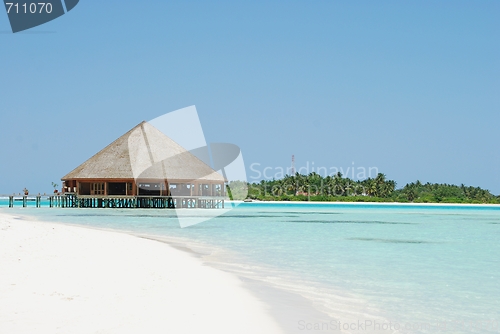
x: 424, y: 269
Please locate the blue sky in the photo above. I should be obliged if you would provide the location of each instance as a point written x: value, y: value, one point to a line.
x: 409, y: 87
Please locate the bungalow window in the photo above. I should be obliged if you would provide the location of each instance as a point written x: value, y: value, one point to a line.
x: 84, y: 188
x: 97, y: 188
x: 117, y: 188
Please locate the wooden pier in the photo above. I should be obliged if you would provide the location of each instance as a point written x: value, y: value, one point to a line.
x: 122, y: 202
x: 25, y: 200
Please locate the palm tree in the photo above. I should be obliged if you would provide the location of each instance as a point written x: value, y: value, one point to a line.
x: 348, y: 188
x: 336, y: 184
x: 380, y: 178
x: 277, y: 190
x: 373, y: 186
x: 411, y: 194
x: 390, y: 187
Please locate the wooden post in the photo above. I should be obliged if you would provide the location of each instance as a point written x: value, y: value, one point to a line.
x: 25, y: 201
x: 11, y: 201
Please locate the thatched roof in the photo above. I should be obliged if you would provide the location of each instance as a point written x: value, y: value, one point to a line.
x: 146, y: 153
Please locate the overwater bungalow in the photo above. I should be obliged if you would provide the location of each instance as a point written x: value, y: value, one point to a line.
x: 144, y: 169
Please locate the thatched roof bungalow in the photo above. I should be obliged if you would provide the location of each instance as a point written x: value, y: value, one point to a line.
x: 144, y: 162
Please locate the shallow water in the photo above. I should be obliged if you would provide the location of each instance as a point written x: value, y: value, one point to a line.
x: 424, y: 269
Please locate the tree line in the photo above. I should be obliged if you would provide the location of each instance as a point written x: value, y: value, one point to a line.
x: 314, y: 187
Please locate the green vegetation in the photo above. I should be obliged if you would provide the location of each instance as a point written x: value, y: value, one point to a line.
x: 314, y: 187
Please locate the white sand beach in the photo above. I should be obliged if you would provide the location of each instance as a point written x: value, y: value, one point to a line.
x: 56, y: 278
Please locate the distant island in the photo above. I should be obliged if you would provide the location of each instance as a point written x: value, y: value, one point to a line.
x: 314, y: 187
